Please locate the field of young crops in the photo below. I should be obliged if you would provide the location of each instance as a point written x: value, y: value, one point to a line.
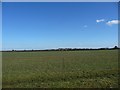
x: 61, y: 69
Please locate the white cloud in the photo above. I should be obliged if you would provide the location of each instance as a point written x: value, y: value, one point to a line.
x: 100, y: 20
x: 113, y: 22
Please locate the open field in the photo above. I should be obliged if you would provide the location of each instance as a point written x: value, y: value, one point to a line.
x: 61, y: 69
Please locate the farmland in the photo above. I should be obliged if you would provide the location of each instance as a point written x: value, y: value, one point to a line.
x: 61, y: 69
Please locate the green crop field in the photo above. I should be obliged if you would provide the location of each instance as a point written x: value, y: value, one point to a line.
x: 61, y: 69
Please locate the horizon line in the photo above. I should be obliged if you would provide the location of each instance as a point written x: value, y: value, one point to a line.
x: 60, y: 48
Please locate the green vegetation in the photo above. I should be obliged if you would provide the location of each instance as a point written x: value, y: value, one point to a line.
x: 61, y: 69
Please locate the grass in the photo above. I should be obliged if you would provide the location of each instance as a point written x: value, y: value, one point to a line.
x: 61, y: 69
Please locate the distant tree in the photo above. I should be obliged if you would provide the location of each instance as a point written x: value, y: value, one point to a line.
x: 115, y: 47
x: 13, y: 50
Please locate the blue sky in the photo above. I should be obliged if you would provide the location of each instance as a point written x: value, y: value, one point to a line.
x: 56, y: 25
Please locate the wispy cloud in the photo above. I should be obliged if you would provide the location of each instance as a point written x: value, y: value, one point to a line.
x: 113, y: 22
x: 100, y: 20
x: 85, y: 26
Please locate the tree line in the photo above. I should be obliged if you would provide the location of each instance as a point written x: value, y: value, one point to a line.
x: 64, y: 49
